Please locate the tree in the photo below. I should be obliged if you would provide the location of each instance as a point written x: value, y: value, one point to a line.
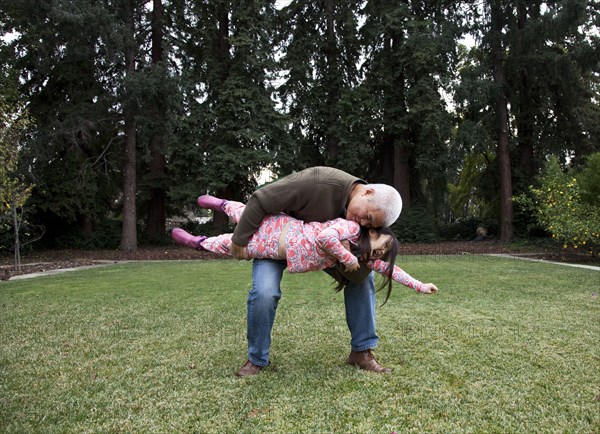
x: 482, y: 105
x: 531, y: 68
x: 502, y: 127
x: 321, y: 54
x: 155, y: 224
x: 145, y: 105
x: 14, y: 191
x: 411, y: 56
x: 233, y: 129
x: 161, y: 110
x: 524, y: 94
x: 549, y: 65
x: 58, y: 51
x: 129, y: 228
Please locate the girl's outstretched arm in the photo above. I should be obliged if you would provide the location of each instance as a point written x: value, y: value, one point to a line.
x: 330, y: 241
x: 401, y: 276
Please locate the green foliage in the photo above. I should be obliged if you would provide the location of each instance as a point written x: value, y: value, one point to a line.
x: 550, y: 67
x: 589, y: 180
x: 65, y: 77
x: 105, y: 235
x: 14, y: 121
x: 470, y: 196
x: 560, y: 209
x: 243, y: 86
x: 15, y: 191
x: 461, y: 229
x: 410, y: 56
x: 321, y: 51
x: 415, y: 224
x: 232, y: 130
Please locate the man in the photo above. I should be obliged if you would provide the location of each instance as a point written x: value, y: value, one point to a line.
x: 314, y: 194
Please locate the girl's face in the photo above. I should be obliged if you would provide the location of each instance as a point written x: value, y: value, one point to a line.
x: 380, y: 244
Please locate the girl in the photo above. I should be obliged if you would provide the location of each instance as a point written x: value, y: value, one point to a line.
x: 310, y: 246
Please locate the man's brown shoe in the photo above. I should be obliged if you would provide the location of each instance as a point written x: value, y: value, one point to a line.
x: 366, y: 360
x: 248, y: 369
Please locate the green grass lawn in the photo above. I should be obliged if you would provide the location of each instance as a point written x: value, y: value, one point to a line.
x: 505, y: 346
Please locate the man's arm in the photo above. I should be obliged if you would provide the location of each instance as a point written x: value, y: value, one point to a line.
x: 270, y: 199
x: 250, y: 220
x: 289, y: 193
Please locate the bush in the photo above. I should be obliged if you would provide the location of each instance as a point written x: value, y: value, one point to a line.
x: 461, y: 229
x: 415, y: 225
x: 106, y: 235
x: 560, y: 209
x: 589, y: 180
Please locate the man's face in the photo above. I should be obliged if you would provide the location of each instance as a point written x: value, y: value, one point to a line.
x: 361, y: 211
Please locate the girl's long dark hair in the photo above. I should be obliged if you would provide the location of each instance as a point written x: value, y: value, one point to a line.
x: 364, y: 246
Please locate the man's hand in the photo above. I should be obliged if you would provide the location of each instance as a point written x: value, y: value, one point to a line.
x: 429, y: 288
x: 352, y: 267
x: 239, y: 252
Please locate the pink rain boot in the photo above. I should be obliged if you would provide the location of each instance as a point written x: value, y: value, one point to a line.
x: 210, y: 202
x: 185, y: 239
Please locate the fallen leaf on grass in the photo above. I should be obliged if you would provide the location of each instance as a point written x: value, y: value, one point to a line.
x: 256, y: 412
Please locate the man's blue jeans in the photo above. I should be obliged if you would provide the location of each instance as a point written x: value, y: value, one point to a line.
x: 264, y: 297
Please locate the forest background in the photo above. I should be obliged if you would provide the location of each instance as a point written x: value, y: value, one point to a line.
x: 116, y: 114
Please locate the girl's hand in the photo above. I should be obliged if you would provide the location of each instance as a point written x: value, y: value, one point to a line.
x: 429, y: 288
x: 346, y: 245
x: 353, y: 267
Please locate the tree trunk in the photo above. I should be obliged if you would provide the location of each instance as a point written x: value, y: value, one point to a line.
x: 129, y: 233
x: 401, y: 181
x: 157, y: 210
x: 223, y: 42
x: 129, y: 230
x: 333, y: 91
x: 17, y: 227
x: 220, y: 220
x: 524, y: 118
x: 395, y: 168
x: 387, y: 159
x: 506, y: 209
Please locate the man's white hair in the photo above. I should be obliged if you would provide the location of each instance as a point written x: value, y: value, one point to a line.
x: 388, y: 200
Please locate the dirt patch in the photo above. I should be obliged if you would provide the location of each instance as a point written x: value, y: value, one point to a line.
x: 35, y: 262
x: 40, y: 261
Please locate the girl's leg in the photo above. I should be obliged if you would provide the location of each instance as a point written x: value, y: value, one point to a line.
x: 231, y: 208
x: 234, y: 210
x: 210, y: 202
x: 186, y: 239
x: 220, y: 244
